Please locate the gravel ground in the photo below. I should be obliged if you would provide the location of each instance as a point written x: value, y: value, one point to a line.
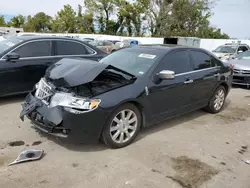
x: 195, y: 150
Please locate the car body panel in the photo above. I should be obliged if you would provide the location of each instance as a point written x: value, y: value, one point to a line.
x: 241, y: 74
x: 156, y: 99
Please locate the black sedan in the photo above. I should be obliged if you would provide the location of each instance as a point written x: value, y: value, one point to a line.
x: 83, y: 101
x: 24, y: 59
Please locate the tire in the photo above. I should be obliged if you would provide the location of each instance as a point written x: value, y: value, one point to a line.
x: 116, y: 134
x: 219, y: 95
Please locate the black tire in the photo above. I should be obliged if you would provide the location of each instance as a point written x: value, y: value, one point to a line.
x: 106, y: 134
x: 211, y: 105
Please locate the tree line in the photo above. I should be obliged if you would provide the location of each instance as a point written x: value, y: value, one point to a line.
x: 160, y: 18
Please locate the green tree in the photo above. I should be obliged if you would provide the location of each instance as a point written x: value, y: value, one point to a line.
x: 158, y: 12
x: 17, y: 21
x: 104, y: 8
x: 84, y: 21
x: 41, y: 22
x: 65, y: 20
x: 29, y: 26
x: 2, y: 21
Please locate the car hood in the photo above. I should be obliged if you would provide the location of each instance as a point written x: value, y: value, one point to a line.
x: 241, y: 64
x: 73, y: 72
x: 220, y: 55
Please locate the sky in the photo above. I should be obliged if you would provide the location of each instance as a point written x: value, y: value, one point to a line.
x: 232, y: 16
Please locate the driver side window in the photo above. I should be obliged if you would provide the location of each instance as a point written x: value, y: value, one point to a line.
x: 176, y: 61
x: 34, y: 49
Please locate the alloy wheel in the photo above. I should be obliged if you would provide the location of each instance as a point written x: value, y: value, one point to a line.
x: 123, y: 126
x: 219, y: 99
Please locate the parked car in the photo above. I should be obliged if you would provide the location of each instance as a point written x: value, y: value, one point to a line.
x: 230, y: 51
x: 125, y: 43
x: 24, y: 59
x: 129, y: 89
x: 114, y: 41
x: 104, y: 45
x: 241, y: 65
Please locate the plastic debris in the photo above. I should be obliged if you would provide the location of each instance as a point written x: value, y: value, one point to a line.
x: 246, y: 161
x: 28, y: 155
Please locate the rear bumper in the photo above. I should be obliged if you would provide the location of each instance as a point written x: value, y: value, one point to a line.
x: 241, y: 79
x: 73, y: 128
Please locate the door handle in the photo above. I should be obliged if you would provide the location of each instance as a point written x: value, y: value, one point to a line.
x: 188, y: 81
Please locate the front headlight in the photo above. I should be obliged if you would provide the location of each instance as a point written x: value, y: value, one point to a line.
x: 74, y: 104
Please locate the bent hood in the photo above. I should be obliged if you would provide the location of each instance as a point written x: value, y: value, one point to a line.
x: 73, y: 72
x: 221, y: 55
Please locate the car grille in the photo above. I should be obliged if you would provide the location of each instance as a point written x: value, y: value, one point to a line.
x: 237, y: 71
x: 43, y: 91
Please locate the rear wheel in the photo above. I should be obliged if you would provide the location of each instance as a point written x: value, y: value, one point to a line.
x: 217, y: 101
x: 122, y: 126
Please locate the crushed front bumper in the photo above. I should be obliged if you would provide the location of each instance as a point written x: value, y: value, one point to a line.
x: 74, y: 128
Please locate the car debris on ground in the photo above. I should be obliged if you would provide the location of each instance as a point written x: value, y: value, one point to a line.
x: 28, y: 155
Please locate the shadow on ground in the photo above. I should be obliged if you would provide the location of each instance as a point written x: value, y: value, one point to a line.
x: 12, y: 99
x: 99, y: 146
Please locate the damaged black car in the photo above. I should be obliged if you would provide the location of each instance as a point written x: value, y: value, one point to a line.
x: 83, y: 101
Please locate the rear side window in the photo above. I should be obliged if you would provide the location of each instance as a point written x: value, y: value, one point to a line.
x: 70, y: 48
x: 200, y: 60
x: 177, y: 62
x: 34, y: 49
x: 242, y: 48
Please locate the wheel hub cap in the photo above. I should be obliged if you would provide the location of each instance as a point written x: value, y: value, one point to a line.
x: 123, y: 126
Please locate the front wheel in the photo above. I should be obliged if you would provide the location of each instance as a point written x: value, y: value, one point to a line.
x: 122, y: 126
x: 217, y: 102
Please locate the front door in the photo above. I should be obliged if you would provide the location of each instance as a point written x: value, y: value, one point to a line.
x: 21, y: 75
x: 171, y: 97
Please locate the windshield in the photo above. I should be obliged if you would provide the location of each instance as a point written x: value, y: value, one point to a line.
x: 226, y: 49
x: 8, y: 42
x: 134, y: 62
x: 245, y: 55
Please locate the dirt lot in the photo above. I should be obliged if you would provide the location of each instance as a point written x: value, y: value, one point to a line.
x: 196, y: 150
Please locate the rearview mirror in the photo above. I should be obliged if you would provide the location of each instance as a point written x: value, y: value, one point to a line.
x: 12, y: 56
x: 166, y: 75
x: 240, y: 51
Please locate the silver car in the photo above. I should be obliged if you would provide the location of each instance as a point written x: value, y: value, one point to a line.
x: 230, y: 51
x: 241, y: 65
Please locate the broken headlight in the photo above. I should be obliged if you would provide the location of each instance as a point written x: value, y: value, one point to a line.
x: 74, y: 104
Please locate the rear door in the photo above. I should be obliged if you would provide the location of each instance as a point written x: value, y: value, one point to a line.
x: 24, y: 73
x: 66, y: 48
x: 205, y: 74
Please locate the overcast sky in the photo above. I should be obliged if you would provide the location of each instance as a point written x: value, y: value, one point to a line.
x: 232, y: 16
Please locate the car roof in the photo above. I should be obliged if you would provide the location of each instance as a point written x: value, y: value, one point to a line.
x: 32, y: 37
x: 165, y: 46
x: 160, y: 49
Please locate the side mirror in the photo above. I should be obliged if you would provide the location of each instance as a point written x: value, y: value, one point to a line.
x: 166, y: 75
x: 12, y: 56
x: 240, y: 51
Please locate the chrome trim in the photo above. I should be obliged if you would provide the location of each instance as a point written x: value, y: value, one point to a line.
x: 190, y: 72
x: 39, y: 40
